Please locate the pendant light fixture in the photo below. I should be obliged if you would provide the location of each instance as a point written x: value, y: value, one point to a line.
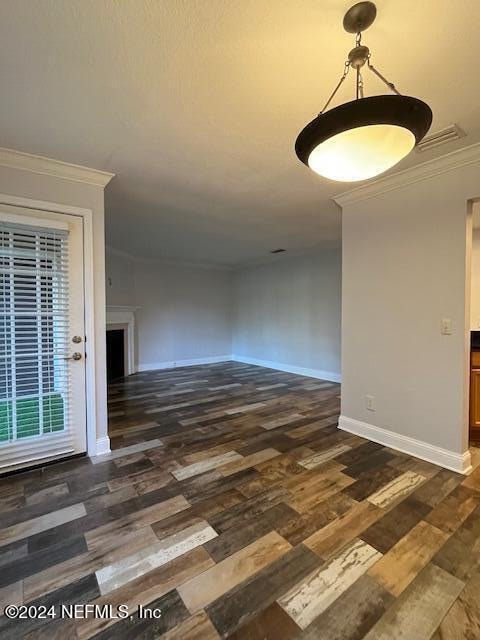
x: 363, y: 138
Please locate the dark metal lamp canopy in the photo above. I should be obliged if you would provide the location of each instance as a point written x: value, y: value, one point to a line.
x: 365, y: 137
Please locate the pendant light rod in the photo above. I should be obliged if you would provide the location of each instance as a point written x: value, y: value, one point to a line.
x: 345, y: 72
x: 390, y: 85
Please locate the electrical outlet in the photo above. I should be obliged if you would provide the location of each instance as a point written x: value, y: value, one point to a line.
x: 370, y: 403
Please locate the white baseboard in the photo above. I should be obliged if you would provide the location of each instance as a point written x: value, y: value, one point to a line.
x: 301, y: 371
x: 190, y: 362
x: 270, y: 364
x: 459, y: 462
x: 103, y: 446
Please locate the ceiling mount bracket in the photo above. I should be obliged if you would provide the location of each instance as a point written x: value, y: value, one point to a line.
x: 359, y: 17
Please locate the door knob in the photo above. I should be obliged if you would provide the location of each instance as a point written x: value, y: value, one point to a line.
x: 77, y: 339
x: 75, y: 356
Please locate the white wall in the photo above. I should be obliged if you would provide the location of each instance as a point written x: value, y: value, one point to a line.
x: 185, y: 311
x: 287, y: 314
x: 404, y: 269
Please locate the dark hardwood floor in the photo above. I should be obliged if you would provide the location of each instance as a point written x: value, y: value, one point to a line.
x: 234, y: 505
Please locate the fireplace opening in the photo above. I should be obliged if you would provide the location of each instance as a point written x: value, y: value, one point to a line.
x: 115, y: 354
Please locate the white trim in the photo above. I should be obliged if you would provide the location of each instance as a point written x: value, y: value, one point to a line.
x: 90, y: 358
x: 102, y: 447
x: 122, y: 308
x: 289, y: 368
x: 301, y: 371
x: 35, y: 461
x: 90, y: 369
x: 168, y: 262
x: 33, y: 452
x: 467, y: 321
x: 33, y: 221
x: 448, y: 162
x: 238, y: 266
x: 119, y: 253
x: 461, y: 463
x: 190, y: 362
x: 41, y: 205
x: 125, y: 315
x: 271, y: 260
x: 56, y: 168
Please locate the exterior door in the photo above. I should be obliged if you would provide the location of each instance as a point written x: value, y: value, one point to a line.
x: 42, y: 337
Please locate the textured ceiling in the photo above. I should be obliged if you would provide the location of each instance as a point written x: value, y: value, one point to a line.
x: 195, y: 105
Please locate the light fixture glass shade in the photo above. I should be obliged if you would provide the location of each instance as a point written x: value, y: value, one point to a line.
x: 361, y: 139
x: 361, y: 153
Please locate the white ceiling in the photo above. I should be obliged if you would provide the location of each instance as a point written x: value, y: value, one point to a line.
x: 196, y: 104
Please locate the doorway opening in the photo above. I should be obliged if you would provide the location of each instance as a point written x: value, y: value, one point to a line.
x: 473, y: 266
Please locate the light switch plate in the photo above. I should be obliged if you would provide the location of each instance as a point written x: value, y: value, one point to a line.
x: 446, y: 327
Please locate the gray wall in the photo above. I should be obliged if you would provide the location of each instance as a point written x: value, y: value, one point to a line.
x: 287, y: 315
x: 405, y: 264
x: 185, y: 312
x: 120, y: 279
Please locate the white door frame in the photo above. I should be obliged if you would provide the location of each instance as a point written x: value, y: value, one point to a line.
x: 90, y: 374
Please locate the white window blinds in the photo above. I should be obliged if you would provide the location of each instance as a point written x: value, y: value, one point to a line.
x: 34, y: 344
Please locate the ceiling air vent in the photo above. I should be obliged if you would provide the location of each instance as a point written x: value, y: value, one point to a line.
x: 278, y: 251
x: 449, y: 134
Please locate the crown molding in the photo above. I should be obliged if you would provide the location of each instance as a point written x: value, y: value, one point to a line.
x: 55, y: 168
x: 119, y: 253
x: 266, y: 261
x: 119, y: 308
x: 282, y: 258
x: 167, y: 262
x: 448, y: 162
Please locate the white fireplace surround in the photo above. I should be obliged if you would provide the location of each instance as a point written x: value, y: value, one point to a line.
x: 125, y: 315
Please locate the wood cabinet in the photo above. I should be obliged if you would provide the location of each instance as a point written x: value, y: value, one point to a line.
x: 475, y: 396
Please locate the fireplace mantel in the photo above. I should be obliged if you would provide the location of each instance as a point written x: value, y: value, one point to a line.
x: 125, y: 314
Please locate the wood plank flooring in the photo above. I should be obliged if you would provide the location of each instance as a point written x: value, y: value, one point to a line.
x: 233, y: 504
